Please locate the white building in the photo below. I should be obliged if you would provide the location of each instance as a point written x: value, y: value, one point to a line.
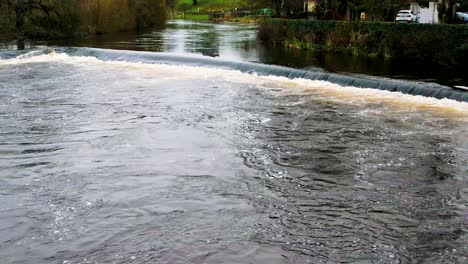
x: 429, y: 15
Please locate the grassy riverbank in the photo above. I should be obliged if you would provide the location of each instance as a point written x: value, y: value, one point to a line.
x: 205, y: 18
x: 200, y: 11
x: 219, y: 5
x: 443, y: 44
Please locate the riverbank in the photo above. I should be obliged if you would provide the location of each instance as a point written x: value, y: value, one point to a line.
x: 440, y: 44
x: 206, y: 18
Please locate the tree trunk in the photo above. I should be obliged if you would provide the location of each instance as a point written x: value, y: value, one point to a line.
x: 277, y: 4
x: 451, y: 11
x: 20, y: 15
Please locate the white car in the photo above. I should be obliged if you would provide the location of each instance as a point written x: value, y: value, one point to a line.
x: 406, y: 16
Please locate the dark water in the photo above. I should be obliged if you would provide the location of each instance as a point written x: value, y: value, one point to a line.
x: 239, y: 42
x: 123, y: 162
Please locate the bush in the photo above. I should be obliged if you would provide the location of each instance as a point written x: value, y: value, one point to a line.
x: 443, y: 44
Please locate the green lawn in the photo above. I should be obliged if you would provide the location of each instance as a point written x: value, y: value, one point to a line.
x: 217, y: 5
x: 211, y: 5
x: 192, y: 17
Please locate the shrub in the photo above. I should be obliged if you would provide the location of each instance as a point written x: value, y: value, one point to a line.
x: 443, y: 44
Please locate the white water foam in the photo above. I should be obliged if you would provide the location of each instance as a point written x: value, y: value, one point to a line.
x: 331, y: 91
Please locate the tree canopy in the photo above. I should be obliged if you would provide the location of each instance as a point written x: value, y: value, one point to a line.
x: 51, y: 18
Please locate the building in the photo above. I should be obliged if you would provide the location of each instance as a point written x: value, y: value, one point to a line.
x: 426, y: 15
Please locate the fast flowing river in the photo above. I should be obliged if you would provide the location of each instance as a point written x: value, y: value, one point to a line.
x: 140, y: 157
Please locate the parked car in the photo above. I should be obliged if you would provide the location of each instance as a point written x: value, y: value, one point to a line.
x: 461, y: 18
x: 406, y: 16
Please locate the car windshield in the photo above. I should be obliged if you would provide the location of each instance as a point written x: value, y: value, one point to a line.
x: 403, y: 12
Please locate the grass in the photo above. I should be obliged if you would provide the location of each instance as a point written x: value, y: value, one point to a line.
x: 247, y: 19
x: 217, y: 5
x: 192, y: 17
x: 213, y: 5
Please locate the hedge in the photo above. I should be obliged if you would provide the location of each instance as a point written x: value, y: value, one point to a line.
x: 442, y: 44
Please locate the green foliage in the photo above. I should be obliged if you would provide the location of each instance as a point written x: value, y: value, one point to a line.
x: 7, y: 23
x: 199, y: 12
x: 51, y: 18
x: 463, y: 6
x: 59, y: 18
x: 379, y: 10
x: 102, y: 16
x: 444, y: 44
x: 193, y: 17
x: 218, y: 5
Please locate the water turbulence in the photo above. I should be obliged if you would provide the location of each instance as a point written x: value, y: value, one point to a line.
x: 134, y: 157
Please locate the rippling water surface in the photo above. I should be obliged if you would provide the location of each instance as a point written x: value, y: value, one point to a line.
x: 239, y: 42
x: 123, y: 162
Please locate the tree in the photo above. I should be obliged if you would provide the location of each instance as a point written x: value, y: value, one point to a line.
x: 184, y: 7
x: 194, y: 2
x: 171, y: 4
x: 277, y: 5
x: 51, y: 14
x: 148, y: 13
x: 463, y: 6
x: 63, y: 18
x: 288, y: 7
x: 447, y: 9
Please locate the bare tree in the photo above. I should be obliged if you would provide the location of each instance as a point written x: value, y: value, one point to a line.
x: 171, y: 4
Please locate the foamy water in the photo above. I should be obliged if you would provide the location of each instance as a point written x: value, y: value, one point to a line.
x: 339, y: 93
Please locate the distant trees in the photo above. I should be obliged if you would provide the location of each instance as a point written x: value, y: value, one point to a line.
x: 184, y: 7
x: 171, y: 4
x: 277, y: 4
x: 463, y: 6
x: 55, y: 18
x: 287, y: 7
x: 383, y: 10
x: 6, y: 21
x: 50, y: 15
x: 378, y: 10
x: 149, y: 13
x: 447, y: 9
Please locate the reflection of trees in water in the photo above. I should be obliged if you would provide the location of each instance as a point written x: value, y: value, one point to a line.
x: 241, y: 41
x: 285, y: 56
x: 208, y: 43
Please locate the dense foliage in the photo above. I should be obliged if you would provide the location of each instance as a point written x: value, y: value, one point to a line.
x: 445, y: 44
x: 57, y: 18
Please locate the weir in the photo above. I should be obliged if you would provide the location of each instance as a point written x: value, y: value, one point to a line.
x: 406, y: 87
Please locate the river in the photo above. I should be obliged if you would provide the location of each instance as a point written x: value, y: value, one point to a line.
x: 154, y: 153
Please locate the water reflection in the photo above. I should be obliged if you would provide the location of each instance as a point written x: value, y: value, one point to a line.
x: 239, y: 42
